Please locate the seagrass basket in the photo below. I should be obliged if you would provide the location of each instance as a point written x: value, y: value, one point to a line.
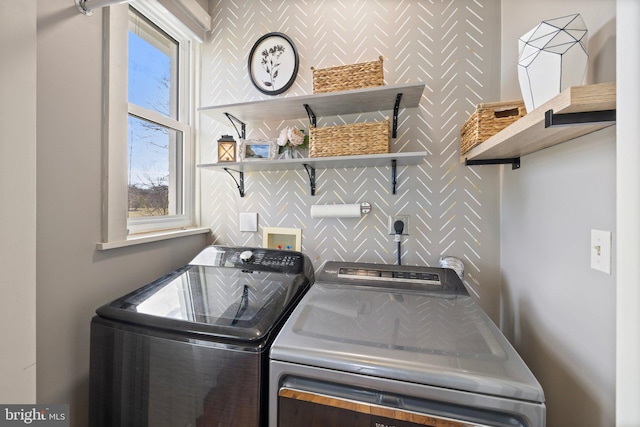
x: 487, y: 120
x: 347, y: 77
x: 349, y: 140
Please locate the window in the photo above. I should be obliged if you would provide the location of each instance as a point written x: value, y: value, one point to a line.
x: 158, y: 129
x: 150, y: 88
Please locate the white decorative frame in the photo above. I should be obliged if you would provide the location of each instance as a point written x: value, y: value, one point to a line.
x: 257, y: 149
x: 273, y: 63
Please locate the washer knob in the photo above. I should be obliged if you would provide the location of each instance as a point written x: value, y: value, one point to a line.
x: 246, y: 256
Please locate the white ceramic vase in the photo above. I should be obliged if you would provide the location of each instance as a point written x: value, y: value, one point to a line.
x: 552, y: 57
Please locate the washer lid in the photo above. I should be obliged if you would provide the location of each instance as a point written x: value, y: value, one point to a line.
x: 223, y: 302
x: 402, y: 334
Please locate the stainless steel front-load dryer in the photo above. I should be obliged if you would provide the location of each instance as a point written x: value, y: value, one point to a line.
x: 191, y: 348
x: 376, y: 345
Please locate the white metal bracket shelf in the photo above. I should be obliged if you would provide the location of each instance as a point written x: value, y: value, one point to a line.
x: 366, y: 100
x: 357, y: 101
x: 392, y: 160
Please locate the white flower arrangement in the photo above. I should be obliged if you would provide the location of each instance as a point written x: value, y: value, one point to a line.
x: 291, y: 137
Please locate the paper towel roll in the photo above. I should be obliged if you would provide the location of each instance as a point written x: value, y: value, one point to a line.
x: 336, y: 211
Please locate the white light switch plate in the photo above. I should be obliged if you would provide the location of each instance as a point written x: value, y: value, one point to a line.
x: 248, y: 222
x: 601, y: 250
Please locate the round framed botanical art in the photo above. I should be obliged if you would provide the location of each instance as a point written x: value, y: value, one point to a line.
x: 273, y: 63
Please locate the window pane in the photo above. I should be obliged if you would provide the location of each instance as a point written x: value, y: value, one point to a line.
x: 155, y: 169
x: 153, y: 65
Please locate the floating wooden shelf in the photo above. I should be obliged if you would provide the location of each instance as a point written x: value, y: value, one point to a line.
x: 529, y: 134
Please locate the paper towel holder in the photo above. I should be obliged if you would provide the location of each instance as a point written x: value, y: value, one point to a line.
x: 352, y: 210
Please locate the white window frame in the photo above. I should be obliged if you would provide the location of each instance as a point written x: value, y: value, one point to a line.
x: 117, y: 230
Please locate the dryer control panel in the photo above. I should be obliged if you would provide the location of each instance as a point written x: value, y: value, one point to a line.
x: 390, y: 275
x: 419, y: 278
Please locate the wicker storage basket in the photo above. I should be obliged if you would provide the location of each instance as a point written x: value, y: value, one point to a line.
x: 346, y: 77
x: 487, y: 120
x: 349, y: 140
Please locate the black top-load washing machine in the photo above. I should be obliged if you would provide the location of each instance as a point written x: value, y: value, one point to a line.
x: 403, y: 346
x: 191, y: 348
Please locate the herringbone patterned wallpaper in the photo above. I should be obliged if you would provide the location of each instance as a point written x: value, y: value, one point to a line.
x: 452, y: 46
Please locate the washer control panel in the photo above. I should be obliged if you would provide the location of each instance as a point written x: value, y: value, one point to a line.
x: 264, y: 260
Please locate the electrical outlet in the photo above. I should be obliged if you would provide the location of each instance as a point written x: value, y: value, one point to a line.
x: 404, y: 219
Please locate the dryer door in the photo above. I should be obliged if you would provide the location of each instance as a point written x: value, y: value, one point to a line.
x: 298, y: 408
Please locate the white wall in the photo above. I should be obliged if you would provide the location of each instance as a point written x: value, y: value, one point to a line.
x: 628, y: 211
x: 17, y: 201
x: 73, y: 278
x: 451, y: 47
x: 559, y: 313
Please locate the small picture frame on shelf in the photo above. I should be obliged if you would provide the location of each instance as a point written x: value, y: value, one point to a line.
x: 257, y: 149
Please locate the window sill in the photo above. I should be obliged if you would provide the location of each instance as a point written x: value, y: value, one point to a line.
x: 140, y: 239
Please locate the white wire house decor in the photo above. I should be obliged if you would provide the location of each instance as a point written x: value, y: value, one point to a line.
x: 552, y: 57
